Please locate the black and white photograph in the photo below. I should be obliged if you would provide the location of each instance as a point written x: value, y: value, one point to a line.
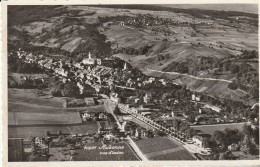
x: 132, y: 82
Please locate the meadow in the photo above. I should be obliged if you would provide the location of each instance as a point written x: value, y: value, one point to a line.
x: 179, y: 155
x: 155, y: 144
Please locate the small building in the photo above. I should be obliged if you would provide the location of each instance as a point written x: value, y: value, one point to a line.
x: 214, y: 108
x: 233, y: 147
x: 197, y: 98
x: 141, y: 132
x: 99, y: 62
x: 193, y: 97
x: 132, y: 99
x: 89, y: 101
x: 102, y: 116
x: 104, y: 127
x: 148, y: 98
x: 199, y: 139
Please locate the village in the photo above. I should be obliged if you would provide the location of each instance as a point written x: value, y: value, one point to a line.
x: 136, y: 107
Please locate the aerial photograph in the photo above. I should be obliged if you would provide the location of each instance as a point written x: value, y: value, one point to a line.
x: 132, y: 82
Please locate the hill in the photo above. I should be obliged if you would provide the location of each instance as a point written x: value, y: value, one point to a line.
x: 210, y: 51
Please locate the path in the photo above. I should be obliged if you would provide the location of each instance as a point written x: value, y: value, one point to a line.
x: 195, y: 126
x: 199, y: 78
x: 136, y: 149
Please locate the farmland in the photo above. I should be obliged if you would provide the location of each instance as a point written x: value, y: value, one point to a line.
x: 155, y: 144
x: 39, y: 130
x: 163, y: 148
x: 178, y: 155
x: 25, y: 118
x: 101, y: 154
x: 30, y: 114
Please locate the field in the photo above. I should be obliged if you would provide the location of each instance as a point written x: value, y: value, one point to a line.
x: 163, y: 148
x: 155, y: 144
x: 210, y: 129
x: 178, y: 155
x: 27, y: 118
x: 30, y: 114
x: 30, y: 98
x: 39, y: 130
x: 100, y: 154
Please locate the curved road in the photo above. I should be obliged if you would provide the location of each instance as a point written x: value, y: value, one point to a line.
x: 176, y: 73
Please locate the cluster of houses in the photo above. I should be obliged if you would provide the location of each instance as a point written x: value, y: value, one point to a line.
x: 86, y: 115
x: 89, y: 71
x: 142, y: 20
x: 72, y: 102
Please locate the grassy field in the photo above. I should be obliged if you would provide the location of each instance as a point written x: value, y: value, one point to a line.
x: 31, y: 98
x: 179, y: 155
x: 98, y: 154
x: 155, y: 144
x: 35, y: 130
x: 30, y: 114
x: 26, y: 118
x: 210, y: 129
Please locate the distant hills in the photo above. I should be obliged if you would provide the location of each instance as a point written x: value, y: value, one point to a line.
x: 248, y: 8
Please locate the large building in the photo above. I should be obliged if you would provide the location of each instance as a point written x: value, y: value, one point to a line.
x: 89, y: 60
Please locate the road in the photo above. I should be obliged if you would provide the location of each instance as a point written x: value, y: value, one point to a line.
x: 136, y: 149
x: 195, y: 126
x: 198, y: 78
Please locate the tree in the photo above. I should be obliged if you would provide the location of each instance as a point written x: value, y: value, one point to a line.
x: 59, y: 132
x: 70, y: 90
x: 234, y: 68
x: 220, y: 137
x: 47, y: 133
x: 247, y: 130
x: 247, y: 146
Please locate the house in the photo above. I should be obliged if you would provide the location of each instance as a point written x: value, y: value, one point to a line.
x: 41, y: 142
x: 199, y: 139
x: 104, y: 127
x: 197, y: 98
x: 87, y: 115
x: 141, y: 132
x: 148, y: 97
x: 132, y: 99
x: 151, y: 80
x: 27, y: 144
x: 193, y: 97
x: 89, y: 101
x: 102, y: 116
x: 38, y: 140
x: 214, y: 108
x: 122, y: 23
x: 233, y: 147
x: 99, y: 62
